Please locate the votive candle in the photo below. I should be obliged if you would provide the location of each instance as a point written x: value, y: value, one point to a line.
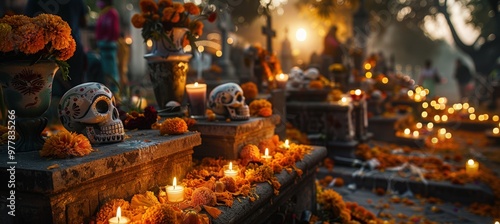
x: 119, y: 219
x: 266, y: 155
x: 471, y: 167
x: 281, y: 80
x: 175, y: 193
x: 230, y: 172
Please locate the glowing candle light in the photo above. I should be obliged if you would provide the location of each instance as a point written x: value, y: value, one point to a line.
x: 407, y: 132
x: 281, y: 80
x: 119, y: 219
x: 287, y: 144
x: 230, y: 172
x: 444, y: 118
x: 496, y: 131
x: 448, y: 135
x: 266, y: 155
x: 175, y: 193
x: 424, y: 114
x: 418, y: 125
x: 343, y: 101
x: 416, y: 134
x: 437, y: 118
x: 471, y: 167
x: 430, y: 126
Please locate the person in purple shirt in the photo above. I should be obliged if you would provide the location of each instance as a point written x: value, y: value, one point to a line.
x: 74, y: 13
x: 107, y: 32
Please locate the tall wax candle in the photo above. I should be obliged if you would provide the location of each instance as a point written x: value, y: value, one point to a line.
x: 197, y: 95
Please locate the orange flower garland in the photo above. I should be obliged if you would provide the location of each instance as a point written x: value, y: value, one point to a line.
x: 65, y: 144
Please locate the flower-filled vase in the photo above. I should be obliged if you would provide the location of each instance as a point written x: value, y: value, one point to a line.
x: 27, y: 91
x: 168, y: 65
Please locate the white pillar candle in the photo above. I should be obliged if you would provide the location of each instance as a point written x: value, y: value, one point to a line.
x: 197, y: 95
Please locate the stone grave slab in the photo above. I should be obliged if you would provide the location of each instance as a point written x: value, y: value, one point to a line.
x: 224, y: 139
x: 300, y: 192
x: 73, y: 191
x: 465, y: 194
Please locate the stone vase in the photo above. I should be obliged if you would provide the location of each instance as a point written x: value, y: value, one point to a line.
x: 168, y: 65
x: 27, y: 91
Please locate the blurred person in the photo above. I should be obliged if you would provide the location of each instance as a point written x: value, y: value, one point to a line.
x: 429, y: 77
x: 107, y: 33
x: 463, y: 77
x: 332, y: 50
x: 123, y: 60
x: 74, y: 13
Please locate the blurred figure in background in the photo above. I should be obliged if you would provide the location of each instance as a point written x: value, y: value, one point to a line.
x: 429, y: 77
x: 463, y: 77
x: 107, y: 32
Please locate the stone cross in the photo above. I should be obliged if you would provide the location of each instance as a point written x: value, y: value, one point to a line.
x: 268, y: 30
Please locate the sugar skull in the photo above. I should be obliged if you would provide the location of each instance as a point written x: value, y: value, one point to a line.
x: 228, y: 100
x: 90, y: 109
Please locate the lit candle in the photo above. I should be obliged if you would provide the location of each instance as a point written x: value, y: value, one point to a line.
x: 356, y: 94
x: 287, y: 145
x: 175, y: 193
x: 407, y: 132
x: 266, y: 155
x: 343, y: 101
x: 230, y: 172
x: 496, y: 130
x: 415, y: 134
x: 471, y: 167
x: 197, y: 95
x: 119, y: 219
x: 281, y: 80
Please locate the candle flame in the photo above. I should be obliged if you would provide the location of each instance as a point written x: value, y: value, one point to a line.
x: 407, y: 131
x: 357, y: 92
x: 118, y: 212
x: 415, y: 134
x: 195, y: 84
x: 231, y: 166
x: 286, y: 143
x: 174, y: 183
x: 267, y: 152
x: 470, y: 162
x: 344, y: 100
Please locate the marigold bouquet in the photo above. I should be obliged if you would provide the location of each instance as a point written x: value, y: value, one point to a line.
x: 158, y: 19
x: 44, y: 37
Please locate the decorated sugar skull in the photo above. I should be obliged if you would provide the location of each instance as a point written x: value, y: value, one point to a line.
x: 90, y: 109
x: 311, y: 74
x: 296, y: 74
x: 228, y: 100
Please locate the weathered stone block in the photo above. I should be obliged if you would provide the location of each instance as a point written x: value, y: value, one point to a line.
x: 300, y: 190
x: 222, y: 139
x: 72, y: 192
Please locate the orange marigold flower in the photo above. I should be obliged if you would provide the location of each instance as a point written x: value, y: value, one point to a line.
x: 316, y: 84
x: 31, y: 38
x: 250, y: 90
x: 65, y: 54
x: 179, y: 8
x: 203, y: 196
x: 265, y: 112
x: 138, y: 20
x: 256, y: 105
x: 148, y: 6
x: 165, y: 3
x: 191, y: 8
x: 197, y: 28
x: 173, y: 126
x: 175, y: 18
x: 65, y: 144
x: 168, y: 13
x: 249, y: 153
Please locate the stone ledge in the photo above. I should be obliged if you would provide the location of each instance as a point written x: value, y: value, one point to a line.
x: 234, y: 128
x: 447, y: 191
x: 266, y: 205
x: 142, y: 147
